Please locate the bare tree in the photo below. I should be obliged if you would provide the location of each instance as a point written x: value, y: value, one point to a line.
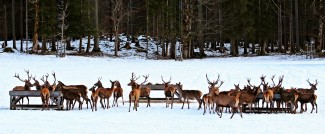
x: 117, y: 17
x: 6, y: 30
x: 96, y: 40
x: 13, y: 24
x: 36, y: 25
x: 63, y: 26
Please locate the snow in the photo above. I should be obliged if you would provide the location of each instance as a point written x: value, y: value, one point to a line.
x: 157, y: 118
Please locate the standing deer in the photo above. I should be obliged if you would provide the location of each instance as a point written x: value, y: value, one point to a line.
x: 104, y: 93
x: 117, y: 93
x: 169, y: 91
x: 135, y: 93
x: 308, y: 96
x: 144, y: 91
x: 45, y: 96
x: 26, y: 87
x: 190, y: 95
x: 213, y: 91
x: 94, y: 97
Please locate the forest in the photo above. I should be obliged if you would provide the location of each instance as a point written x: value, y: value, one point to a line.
x: 258, y: 26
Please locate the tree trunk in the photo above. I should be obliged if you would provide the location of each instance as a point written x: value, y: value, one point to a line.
x: 279, y: 26
x: 36, y: 27
x: 200, y: 29
x: 297, y: 26
x: 221, y: 41
x: 96, y: 42
x: 88, y: 43
x: 80, y: 44
x: 21, y: 26
x: 53, y: 48
x: 262, y: 47
x: 6, y: 29
x: 44, y: 49
x: 321, y: 26
x: 13, y: 24
x: 26, y: 23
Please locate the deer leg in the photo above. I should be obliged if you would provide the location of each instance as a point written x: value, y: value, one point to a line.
x: 172, y: 101
x: 108, y: 103
x: 166, y: 101
x: 183, y: 102
x: 312, y: 107
x: 122, y: 100
x: 233, y: 112
x: 101, y: 102
x: 188, y: 104
x: 130, y: 101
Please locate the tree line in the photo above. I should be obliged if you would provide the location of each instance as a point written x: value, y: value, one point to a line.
x: 275, y: 25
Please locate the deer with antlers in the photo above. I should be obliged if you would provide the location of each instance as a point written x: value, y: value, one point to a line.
x: 169, y: 91
x: 213, y: 91
x: 268, y: 95
x: 45, y: 96
x: 104, y: 93
x: 307, y: 96
x: 117, y: 93
x: 26, y: 87
x: 135, y: 93
x: 144, y: 91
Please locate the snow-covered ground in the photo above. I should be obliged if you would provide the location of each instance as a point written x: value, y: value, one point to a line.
x: 157, y: 118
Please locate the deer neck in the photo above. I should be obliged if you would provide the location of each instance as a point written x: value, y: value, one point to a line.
x: 27, y: 87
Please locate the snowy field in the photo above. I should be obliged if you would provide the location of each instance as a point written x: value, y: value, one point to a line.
x: 157, y: 119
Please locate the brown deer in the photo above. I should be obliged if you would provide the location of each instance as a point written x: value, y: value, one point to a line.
x: 117, y: 93
x: 190, y: 95
x: 104, y: 93
x: 135, y: 93
x: 268, y: 95
x: 144, y: 91
x: 310, y: 90
x: 94, y: 97
x: 82, y: 89
x: 289, y: 96
x: 70, y: 94
x: 45, y: 96
x: 26, y: 87
x: 223, y: 100
x: 213, y: 91
x: 169, y: 91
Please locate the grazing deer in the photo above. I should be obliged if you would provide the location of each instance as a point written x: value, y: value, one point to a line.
x: 190, y: 94
x: 81, y: 89
x: 26, y: 87
x: 45, y: 96
x: 169, y: 91
x: 117, y: 93
x: 94, y: 97
x: 104, y: 93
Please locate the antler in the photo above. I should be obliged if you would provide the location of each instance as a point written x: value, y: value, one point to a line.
x: 28, y: 77
x: 272, y: 79
x: 133, y: 78
x: 263, y: 78
x: 53, y: 73
x: 43, y: 79
x: 145, y: 79
x: 221, y: 82
x: 214, y: 82
x: 280, y: 81
x: 99, y: 78
x: 164, y: 81
x: 249, y: 82
x: 17, y: 76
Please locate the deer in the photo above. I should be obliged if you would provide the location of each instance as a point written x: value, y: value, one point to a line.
x: 47, y: 84
x: 223, y: 100
x: 135, y: 93
x: 169, y: 91
x: 144, y: 91
x: 70, y: 93
x: 190, y: 95
x: 310, y: 90
x: 45, y: 96
x: 104, y: 93
x: 26, y: 87
x: 289, y: 96
x: 249, y: 96
x: 94, y: 97
x: 213, y: 91
x: 268, y: 95
x: 117, y: 93
x: 81, y: 89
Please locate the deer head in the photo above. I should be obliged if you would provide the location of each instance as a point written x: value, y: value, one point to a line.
x: 54, y: 82
x: 213, y: 83
x: 27, y: 82
x: 133, y: 79
x: 99, y: 83
x: 166, y: 83
x: 313, y: 86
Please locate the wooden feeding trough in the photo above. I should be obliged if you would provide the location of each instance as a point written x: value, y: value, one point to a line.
x: 161, y: 88
x: 259, y: 109
x: 16, y: 96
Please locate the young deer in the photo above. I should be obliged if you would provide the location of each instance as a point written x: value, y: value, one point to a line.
x: 94, y: 97
x: 190, y: 95
x: 104, y: 93
x: 45, y: 96
x: 26, y: 87
x: 135, y: 93
x: 169, y: 91
x: 117, y: 93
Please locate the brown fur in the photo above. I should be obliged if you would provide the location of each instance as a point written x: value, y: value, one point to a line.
x: 223, y: 100
x: 45, y: 96
x: 104, y: 93
x: 94, y: 98
x: 190, y: 95
x: 117, y: 93
x: 134, y: 95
